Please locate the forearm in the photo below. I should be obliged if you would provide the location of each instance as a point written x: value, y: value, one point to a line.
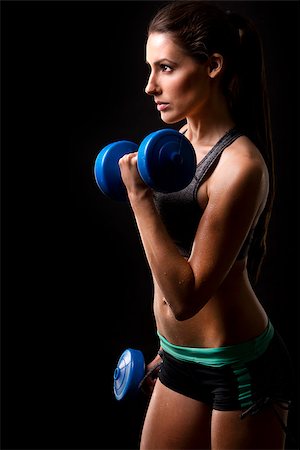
x: 171, y: 271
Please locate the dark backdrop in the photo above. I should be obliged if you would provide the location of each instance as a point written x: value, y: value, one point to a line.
x: 76, y: 289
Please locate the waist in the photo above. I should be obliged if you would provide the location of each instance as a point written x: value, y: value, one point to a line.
x: 220, y: 356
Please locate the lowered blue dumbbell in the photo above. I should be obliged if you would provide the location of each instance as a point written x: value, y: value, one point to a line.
x: 128, y: 374
x: 166, y: 163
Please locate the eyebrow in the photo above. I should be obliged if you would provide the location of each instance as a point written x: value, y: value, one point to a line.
x: 161, y: 61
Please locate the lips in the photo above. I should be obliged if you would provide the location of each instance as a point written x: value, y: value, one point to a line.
x: 161, y: 106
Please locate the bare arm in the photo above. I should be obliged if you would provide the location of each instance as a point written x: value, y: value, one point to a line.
x: 234, y: 197
x: 171, y: 271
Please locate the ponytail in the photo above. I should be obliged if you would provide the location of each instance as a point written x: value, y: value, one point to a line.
x: 248, y: 98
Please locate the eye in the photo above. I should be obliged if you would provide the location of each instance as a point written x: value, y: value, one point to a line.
x: 165, y: 68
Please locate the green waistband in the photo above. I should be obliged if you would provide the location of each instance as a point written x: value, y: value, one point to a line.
x: 221, y: 356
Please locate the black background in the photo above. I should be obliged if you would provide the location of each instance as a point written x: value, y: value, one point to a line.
x: 76, y: 289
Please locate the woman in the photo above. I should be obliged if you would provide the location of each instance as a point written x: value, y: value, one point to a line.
x: 224, y: 380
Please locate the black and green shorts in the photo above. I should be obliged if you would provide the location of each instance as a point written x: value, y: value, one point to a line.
x: 232, y: 377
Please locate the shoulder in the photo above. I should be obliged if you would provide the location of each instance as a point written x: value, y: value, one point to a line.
x: 241, y: 166
x: 243, y: 157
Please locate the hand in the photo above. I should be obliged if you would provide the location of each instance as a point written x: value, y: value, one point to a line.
x: 152, y: 369
x: 130, y: 175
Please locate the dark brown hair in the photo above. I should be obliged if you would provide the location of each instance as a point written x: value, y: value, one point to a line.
x: 201, y: 29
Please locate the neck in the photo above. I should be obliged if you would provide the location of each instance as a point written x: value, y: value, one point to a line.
x: 211, y: 122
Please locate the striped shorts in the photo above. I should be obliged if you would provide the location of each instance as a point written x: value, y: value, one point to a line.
x: 232, y: 377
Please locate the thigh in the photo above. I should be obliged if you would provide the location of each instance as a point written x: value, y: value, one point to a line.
x: 259, y: 431
x: 174, y: 421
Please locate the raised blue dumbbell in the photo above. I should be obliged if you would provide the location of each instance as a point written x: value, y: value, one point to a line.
x: 166, y: 163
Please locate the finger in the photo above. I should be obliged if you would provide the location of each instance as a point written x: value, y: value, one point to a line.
x: 128, y: 158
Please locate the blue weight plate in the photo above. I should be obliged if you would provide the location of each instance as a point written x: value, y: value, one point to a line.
x: 128, y: 373
x: 107, y: 172
x: 166, y: 160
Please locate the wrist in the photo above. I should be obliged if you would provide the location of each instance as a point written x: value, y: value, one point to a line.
x: 141, y: 199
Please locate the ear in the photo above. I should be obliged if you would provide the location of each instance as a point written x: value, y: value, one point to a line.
x: 215, y: 65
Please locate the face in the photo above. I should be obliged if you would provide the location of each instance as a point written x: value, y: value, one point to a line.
x: 178, y: 83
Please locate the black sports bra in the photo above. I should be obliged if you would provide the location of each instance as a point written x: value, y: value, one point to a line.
x: 180, y: 211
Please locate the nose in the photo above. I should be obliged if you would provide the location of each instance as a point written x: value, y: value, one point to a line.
x: 152, y: 87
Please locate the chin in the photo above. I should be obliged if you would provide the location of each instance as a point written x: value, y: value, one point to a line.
x: 171, y: 120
